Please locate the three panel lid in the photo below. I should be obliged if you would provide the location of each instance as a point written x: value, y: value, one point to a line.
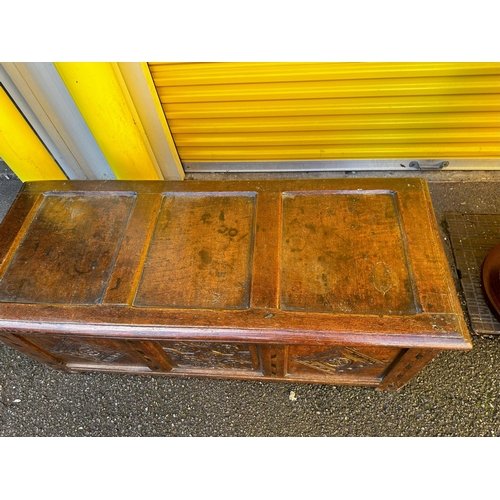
x: 345, y: 259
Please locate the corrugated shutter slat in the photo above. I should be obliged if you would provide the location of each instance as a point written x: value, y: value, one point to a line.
x: 305, y: 111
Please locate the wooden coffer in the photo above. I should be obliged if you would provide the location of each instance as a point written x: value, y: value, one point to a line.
x: 338, y: 281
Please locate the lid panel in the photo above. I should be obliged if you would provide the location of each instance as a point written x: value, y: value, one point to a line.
x: 68, y: 250
x: 343, y: 252
x: 200, y: 252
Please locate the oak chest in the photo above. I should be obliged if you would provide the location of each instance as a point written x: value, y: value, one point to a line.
x: 318, y: 281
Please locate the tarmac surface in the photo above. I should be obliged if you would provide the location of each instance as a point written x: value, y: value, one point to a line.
x: 457, y: 394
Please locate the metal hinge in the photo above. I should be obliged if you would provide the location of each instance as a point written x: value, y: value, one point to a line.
x: 428, y: 164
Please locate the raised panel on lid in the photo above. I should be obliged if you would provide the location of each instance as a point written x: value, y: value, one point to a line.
x: 68, y: 251
x: 344, y: 252
x: 200, y: 253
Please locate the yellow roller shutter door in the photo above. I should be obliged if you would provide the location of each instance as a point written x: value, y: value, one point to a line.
x: 237, y: 112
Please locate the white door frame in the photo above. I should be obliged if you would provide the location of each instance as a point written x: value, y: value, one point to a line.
x: 41, y: 95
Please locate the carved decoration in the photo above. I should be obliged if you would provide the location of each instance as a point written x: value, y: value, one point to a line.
x: 384, y: 278
x: 339, y: 360
x: 208, y: 355
x: 86, y: 350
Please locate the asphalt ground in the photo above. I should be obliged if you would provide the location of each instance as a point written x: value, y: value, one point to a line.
x: 457, y: 394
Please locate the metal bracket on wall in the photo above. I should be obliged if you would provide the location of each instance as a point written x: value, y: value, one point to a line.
x: 429, y: 164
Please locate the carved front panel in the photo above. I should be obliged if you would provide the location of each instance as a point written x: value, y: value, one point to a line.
x: 344, y: 252
x: 210, y: 355
x: 86, y: 350
x: 340, y: 361
x: 75, y: 350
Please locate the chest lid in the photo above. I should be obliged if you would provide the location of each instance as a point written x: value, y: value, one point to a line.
x: 351, y: 260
